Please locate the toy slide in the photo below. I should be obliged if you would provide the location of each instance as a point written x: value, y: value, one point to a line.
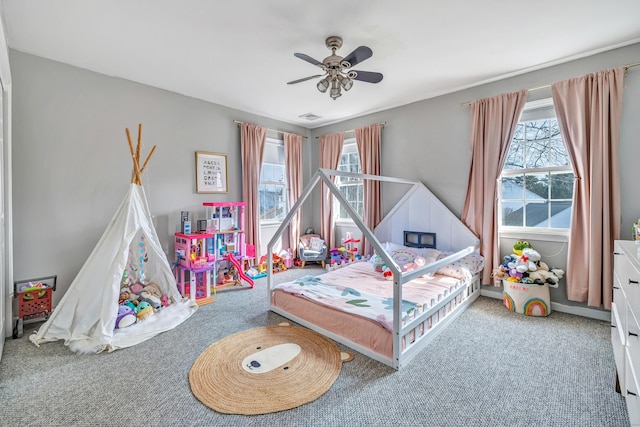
x: 243, y: 276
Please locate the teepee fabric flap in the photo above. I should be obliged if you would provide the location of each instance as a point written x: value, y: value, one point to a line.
x: 85, y: 316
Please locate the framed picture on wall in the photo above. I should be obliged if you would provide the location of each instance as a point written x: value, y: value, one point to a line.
x: 211, y: 172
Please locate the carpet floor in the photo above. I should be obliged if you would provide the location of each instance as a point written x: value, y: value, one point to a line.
x: 490, y: 367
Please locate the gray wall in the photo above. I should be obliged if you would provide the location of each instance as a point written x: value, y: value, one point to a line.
x: 71, y: 164
x: 429, y: 141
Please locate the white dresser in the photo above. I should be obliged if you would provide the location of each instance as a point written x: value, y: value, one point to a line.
x: 625, y: 325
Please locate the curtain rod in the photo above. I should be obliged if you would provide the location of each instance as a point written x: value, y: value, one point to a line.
x: 273, y: 130
x: 625, y: 68
x: 353, y: 130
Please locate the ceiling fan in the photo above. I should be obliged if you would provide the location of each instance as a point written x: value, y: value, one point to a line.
x: 338, y: 74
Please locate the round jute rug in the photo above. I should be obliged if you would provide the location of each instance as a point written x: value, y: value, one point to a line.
x: 264, y: 370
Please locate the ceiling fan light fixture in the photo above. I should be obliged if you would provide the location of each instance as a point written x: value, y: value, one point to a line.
x: 338, y: 75
x: 346, y: 83
x: 323, y: 85
x: 335, y: 88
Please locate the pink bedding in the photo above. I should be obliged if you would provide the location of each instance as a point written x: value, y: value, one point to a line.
x: 340, y: 310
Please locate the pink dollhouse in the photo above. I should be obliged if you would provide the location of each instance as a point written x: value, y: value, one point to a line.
x: 194, y: 260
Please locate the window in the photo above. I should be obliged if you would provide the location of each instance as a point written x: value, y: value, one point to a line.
x: 273, y: 183
x: 536, y: 184
x: 351, y: 188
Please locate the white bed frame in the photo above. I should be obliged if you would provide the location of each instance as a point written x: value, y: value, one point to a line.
x: 418, y: 210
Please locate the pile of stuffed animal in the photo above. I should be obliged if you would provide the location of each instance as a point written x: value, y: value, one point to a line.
x: 525, y: 266
x: 138, y: 302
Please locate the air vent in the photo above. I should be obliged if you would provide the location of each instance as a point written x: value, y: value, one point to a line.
x: 309, y: 116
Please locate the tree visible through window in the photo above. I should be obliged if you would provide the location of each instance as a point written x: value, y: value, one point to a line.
x: 273, y: 183
x: 536, y: 185
x: 351, y: 188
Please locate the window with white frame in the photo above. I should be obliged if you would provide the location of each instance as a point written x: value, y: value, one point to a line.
x: 536, y: 185
x: 273, y: 183
x: 351, y: 188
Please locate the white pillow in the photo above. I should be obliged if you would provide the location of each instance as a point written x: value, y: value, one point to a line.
x: 423, y: 252
x: 463, y: 268
x: 403, y: 256
x: 316, y: 244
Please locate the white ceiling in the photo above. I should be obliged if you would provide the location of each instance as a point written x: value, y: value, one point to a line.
x: 240, y: 53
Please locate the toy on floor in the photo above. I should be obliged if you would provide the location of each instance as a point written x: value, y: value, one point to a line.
x: 154, y: 301
x: 238, y: 273
x: 255, y: 274
x: 144, y: 310
x: 33, y: 299
x: 278, y: 264
x: 519, y: 246
x: 131, y: 305
x: 126, y: 317
x: 154, y: 289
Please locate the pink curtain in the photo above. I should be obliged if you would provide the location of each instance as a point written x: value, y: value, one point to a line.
x: 330, y: 152
x: 368, y: 142
x: 252, y: 139
x: 589, y: 110
x: 493, y: 123
x: 293, y: 166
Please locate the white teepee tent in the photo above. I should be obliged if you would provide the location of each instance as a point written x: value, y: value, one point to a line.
x: 85, y: 317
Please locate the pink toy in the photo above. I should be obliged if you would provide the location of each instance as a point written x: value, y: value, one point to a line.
x: 418, y: 262
x: 194, y: 260
x: 136, y: 288
x: 191, y: 250
x: 241, y: 273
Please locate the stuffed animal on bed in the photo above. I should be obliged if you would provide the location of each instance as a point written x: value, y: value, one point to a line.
x: 378, y: 263
x: 418, y: 262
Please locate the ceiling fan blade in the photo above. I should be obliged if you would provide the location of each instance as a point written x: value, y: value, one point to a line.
x: 304, y: 79
x: 357, y: 56
x: 367, y: 76
x: 309, y: 59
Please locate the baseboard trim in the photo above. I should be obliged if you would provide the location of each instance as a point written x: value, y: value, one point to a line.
x: 562, y: 308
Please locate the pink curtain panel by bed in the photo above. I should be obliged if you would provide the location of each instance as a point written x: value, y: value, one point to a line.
x: 252, y: 139
x: 589, y: 109
x: 293, y: 167
x: 368, y: 141
x: 330, y: 152
x: 493, y: 123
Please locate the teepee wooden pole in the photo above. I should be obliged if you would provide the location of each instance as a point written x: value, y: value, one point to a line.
x: 144, y: 166
x: 133, y: 173
x: 135, y: 178
x: 139, y: 146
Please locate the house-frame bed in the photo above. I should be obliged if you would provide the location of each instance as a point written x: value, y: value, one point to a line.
x: 418, y: 210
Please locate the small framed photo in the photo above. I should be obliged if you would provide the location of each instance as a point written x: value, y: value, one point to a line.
x: 211, y: 172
